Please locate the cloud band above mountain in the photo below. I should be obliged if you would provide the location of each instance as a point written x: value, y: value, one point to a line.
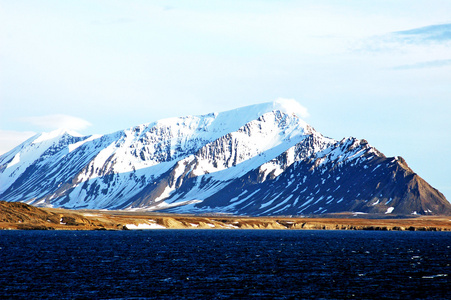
x: 58, y: 121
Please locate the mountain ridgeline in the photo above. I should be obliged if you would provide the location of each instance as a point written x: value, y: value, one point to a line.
x: 259, y: 160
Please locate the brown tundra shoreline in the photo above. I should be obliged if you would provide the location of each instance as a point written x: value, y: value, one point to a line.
x: 20, y: 216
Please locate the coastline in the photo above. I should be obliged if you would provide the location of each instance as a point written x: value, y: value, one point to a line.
x: 20, y: 216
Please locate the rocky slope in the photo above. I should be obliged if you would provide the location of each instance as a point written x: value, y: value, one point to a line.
x: 16, y: 215
x: 257, y: 160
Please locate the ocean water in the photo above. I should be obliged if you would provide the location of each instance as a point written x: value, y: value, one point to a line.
x: 224, y: 264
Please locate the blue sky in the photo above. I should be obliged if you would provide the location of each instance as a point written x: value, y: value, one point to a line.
x: 379, y: 70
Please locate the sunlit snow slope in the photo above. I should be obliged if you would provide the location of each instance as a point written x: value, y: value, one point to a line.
x: 256, y: 160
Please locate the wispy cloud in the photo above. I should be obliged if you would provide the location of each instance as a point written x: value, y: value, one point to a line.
x: 406, y: 40
x: 58, y: 121
x: 426, y: 64
x: 294, y: 106
x: 433, y: 33
x: 10, y: 139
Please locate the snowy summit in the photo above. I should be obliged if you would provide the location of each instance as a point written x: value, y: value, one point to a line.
x: 256, y: 160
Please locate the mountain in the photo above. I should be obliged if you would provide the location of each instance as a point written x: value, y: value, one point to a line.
x: 256, y: 160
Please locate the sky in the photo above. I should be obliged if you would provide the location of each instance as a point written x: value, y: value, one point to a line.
x: 374, y: 70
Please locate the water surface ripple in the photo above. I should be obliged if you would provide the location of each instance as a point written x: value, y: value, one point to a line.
x: 225, y: 264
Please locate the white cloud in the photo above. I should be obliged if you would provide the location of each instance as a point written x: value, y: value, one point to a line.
x: 292, y: 106
x: 58, y: 121
x: 10, y: 139
x: 426, y: 64
x: 435, y: 38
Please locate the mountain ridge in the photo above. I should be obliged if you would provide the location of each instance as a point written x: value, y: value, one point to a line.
x: 256, y: 160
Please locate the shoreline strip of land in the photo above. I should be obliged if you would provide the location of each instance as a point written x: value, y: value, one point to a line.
x: 20, y: 216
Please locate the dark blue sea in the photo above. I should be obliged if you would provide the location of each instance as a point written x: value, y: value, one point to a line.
x: 224, y: 264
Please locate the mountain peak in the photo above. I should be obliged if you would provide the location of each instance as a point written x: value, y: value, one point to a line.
x: 261, y: 159
x: 290, y: 106
x: 46, y: 136
x: 287, y: 106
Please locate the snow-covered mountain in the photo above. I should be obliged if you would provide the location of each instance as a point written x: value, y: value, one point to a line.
x: 256, y: 160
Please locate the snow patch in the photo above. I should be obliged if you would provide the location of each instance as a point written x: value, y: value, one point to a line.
x: 144, y: 226
x: 359, y: 213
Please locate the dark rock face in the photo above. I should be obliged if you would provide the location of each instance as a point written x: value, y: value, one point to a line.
x: 260, y: 160
x: 373, y: 184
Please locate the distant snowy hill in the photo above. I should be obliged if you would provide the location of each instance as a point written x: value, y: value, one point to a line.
x: 256, y: 160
